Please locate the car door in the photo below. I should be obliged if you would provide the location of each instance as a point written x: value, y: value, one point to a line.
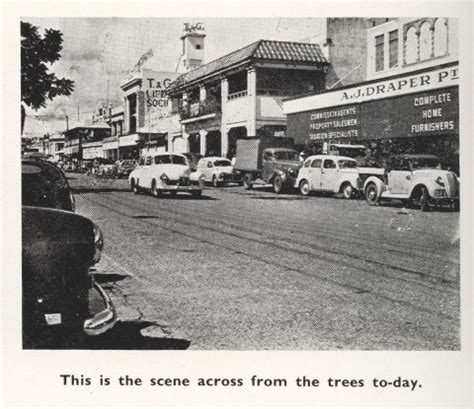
x: 315, y: 174
x: 146, y: 177
x: 329, y: 174
x: 268, y: 165
x: 399, y: 177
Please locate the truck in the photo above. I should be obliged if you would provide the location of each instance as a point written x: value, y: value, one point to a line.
x: 267, y: 160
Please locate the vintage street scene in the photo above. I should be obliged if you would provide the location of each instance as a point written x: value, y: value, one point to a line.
x: 240, y: 184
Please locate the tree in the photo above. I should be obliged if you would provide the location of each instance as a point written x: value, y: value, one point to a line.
x: 37, y: 53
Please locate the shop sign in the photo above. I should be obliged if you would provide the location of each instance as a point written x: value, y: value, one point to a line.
x: 421, y: 82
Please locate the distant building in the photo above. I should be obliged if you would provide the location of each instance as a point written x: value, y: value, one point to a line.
x: 240, y: 94
x: 85, y: 142
x: 110, y: 145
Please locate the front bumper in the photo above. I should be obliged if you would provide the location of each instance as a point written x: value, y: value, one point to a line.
x: 440, y: 201
x: 102, y: 312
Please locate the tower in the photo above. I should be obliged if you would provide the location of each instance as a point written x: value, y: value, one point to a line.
x: 193, y: 47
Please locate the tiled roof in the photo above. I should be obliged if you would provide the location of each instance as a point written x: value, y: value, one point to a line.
x: 262, y: 50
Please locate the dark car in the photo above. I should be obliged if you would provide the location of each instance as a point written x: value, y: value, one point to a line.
x: 125, y: 167
x: 61, y: 301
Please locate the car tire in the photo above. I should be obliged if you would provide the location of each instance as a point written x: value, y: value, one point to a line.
x: 423, y: 201
x: 347, y: 191
x: 304, y: 187
x: 371, y: 194
x: 278, y: 184
x: 134, y: 186
x: 247, y: 181
x: 154, y: 189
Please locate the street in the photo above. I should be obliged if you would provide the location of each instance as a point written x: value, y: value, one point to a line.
x: 252, y: 270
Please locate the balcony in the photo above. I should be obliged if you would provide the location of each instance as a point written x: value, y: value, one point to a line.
x: 199, y: 109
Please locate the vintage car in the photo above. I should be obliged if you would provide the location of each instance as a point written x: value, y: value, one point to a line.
x: 124, y: 167
x: 193, y: 159
x: 330, y: 173
x: 105, y: 168
x: 216, y: 170
x: 62, y: 304
x: 165, y: 172
x: 416, y: 180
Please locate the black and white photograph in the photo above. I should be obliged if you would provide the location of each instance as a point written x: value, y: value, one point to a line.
x: 240, y: 184
x: 275, y: 182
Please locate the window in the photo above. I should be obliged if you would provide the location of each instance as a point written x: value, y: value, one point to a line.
x: 198, y: 46
x: 148, y: 161
x: 393, y: 49
x: 267, y: 156
x: 440, y: 37
x: 329, y: 164
x: 379, y: 53
x: 425, y: 41
x: 307, y: 163
x: 316, y: 163
x: 209, y: 164
x: 411, y: 46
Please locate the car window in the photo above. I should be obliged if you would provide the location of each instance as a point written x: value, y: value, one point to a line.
x: 267, y: 156
x: 347, y: 164
x: 148, y: 161
x: 316, y: 163
x: 209, y: 164
x: 178, y: 160
x: 142, y: 161
x: 307, y: 163
x: 329, y: 164
x: 400, y: 164
x: 222, y: 162
x: 425, y: 163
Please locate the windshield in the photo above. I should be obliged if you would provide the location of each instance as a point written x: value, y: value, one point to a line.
x: 168, y: 159
x: 222, y: 163
x: 423, y: 163
x: 347, y: 164
x: 287, y: 155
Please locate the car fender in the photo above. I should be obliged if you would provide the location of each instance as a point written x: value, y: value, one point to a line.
x: 347, y: 179
x: 381, y: 187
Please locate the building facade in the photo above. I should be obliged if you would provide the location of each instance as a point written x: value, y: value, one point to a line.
x: 85, y: 142
x: 410, y: 103
x: 241, y: 94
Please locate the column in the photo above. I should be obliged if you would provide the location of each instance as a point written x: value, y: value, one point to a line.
x: 252, y: 97
x: 126, y: 119
x: 202, y: 140
x: 202, y: 92
x: 185, y: 138
x: 224, y: 129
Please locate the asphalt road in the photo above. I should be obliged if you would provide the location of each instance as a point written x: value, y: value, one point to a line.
x: 252, y: 270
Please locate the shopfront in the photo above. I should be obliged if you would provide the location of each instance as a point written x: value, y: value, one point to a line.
x: 416, y: 113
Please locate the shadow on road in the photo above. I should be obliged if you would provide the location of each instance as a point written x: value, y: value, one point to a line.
x: 77, y: 190
x: 103, y: 278
x: 127, y: 335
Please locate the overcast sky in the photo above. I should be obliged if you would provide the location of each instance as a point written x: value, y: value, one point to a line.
x: 97, y: 51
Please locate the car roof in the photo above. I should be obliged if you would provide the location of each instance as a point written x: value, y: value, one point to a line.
x: 334, y: 157
x: 214, y: 158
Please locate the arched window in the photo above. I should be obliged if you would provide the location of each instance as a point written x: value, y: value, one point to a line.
x: 425, y: 41
x: 411, y: 46
x: 440, y: 37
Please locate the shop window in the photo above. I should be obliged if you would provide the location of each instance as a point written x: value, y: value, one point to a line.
x: 440, y: 37
x: 425, y: 41
x: 411, y: 46
x: 379, y: 53
x: 393, y: 49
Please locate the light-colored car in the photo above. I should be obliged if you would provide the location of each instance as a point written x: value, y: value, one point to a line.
x: 216, y: 170
x: 165, y: 172
x: 417, y: 180
x: 330, y: 173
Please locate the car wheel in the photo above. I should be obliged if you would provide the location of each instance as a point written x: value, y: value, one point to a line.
x: 154, y: 189
x: 247, y: 181
x: 347, y: 191
x: 304, y: 187
x: 134, y: 186
x: 196, y: 193
x: 173, y: 193
x: 371, y: 194
x: 278, y: 184
x: 215, y: 183
x: 422, y: 199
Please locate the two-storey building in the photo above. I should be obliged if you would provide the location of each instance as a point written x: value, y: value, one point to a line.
x: 409, y: 102
x: 241, y: 94
x: 85, y: 141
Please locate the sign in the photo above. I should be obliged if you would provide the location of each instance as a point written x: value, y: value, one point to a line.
x: 420, y: 114
x: 425, y: 81
x: 193, y: 27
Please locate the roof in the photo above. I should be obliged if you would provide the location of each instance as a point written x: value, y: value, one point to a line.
x: 334, y: 157
x: 414, y: 155
x: 266, y: 50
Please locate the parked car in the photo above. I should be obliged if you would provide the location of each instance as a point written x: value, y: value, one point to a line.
x: 105, y: 167
x: 125, y: 167
x: 193, y: 159
x: 165, y: 173
x: 267, y: 160
x: 216, y: 170
x: 61, y: 300
x: 417, y: 180
x: 330, y: 173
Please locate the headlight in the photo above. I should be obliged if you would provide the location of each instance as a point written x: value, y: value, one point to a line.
x: 98, y: 243
x: 202, y: 177
x: 439, y: 181
x: 164, y: 177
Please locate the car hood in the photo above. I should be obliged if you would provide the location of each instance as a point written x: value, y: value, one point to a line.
x: 223, y: 169
x: 174, y: 172
x: 295, y: 164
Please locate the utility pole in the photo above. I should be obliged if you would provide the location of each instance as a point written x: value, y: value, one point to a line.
x: 67, y: 123
x: 78, y: 114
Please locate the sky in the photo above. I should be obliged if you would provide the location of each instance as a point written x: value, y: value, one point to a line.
x: 99, y: 52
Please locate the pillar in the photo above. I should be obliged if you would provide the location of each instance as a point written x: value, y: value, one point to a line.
x: 252, y: 98
x: 202, y: 141
x: 202, y: 92
x: 224, y: 128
